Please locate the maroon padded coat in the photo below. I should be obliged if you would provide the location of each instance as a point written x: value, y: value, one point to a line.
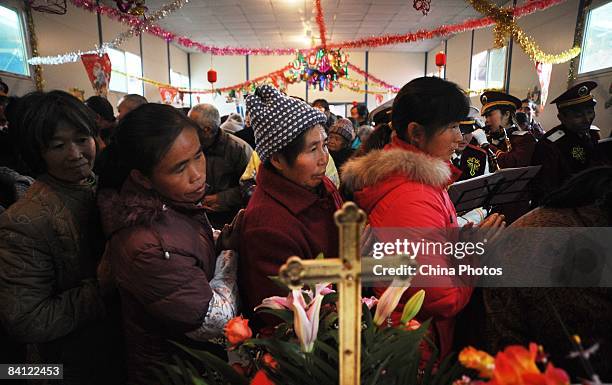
x: 162, y: 256
x: 283, y: 219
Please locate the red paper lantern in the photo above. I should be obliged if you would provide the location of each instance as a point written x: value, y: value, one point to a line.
x: 440, y: 59
x: 212, y: 75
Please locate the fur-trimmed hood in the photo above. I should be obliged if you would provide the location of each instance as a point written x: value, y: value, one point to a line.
x: 382, y: 170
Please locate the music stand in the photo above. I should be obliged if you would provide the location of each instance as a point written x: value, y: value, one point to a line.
x: 502, y: 187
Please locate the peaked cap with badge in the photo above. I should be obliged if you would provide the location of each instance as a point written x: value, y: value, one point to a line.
x: 576, y: 95
x: 492, y: 100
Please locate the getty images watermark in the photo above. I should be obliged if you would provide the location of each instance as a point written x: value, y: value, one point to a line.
x: 525, y: 257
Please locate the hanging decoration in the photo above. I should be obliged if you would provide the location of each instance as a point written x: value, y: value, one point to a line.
x: 137, y: 27
x: 321, y: 23
x: 444, y: 30
x: 38, y: 79
x: 55, y: 7
x: 544, y: 71
x: 371, y: 42
x: 99, y: 72
x: 133, y: 7
x: 506, y: 28
x: 168, y: 94
x: 422, y: 5
x: 320, y: 69
x: 440, y: 62
x: 211, y: 75
x: 77, y: 93
x: 373, y: 78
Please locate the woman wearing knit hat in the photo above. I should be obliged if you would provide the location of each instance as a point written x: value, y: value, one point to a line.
x: 291, y: 210
x: 341, y: 135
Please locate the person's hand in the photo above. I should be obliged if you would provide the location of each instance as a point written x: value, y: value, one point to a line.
x: 229, y: 239
x: 488, y: 229
x: 211, y: 202
x: 492, y: 227
x: 480, y: 137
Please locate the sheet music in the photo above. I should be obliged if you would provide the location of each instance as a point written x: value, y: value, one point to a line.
x: 504, y: 186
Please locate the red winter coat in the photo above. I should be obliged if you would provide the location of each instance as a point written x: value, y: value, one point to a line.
x: 402, y: 187
x: 283, y: 219
x: 162, y: 256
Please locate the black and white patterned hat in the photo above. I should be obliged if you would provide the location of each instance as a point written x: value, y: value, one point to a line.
x: 278, y: 119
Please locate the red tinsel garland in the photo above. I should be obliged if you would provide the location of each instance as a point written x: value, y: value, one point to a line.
x: 445, y: 30
x: 373, y: 79
x: 321, y: 23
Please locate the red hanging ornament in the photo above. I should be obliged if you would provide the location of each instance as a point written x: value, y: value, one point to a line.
x: 212, y: 76
x: 422, y: 5
x: 440, y: 62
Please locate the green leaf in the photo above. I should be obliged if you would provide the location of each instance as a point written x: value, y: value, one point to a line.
x: 279, y: 282
x: 285, y: 315
x: 320, y: 256
x: 215, y: 363
x: 413, y: 306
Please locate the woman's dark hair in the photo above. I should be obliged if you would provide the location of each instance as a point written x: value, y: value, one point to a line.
x: 431, y: 102
x: 521, y: 118
x: 292, y: 150
x: 36, y: 117
x: 503, y: 109
x: 362, y: 110
x: 591, y: 186
x: 321, y: 102
x: 143, y: 137
x: 378, y: 139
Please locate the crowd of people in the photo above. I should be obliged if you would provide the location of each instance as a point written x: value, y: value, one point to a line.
x: 120, y: 233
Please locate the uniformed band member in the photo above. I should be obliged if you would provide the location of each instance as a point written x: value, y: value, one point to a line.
x: 528, y: 107
x: 570, y: 147
x: 469, y: 157
x: 512, y: 146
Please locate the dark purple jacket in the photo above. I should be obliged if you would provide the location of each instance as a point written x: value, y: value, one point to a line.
x: 162, y: 256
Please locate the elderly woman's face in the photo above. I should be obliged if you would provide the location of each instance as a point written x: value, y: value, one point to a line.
x: 70, y: 154
x: 309, y: 167
x: 336, y: 142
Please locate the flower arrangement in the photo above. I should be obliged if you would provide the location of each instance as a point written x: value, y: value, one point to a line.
x: 303, y: 349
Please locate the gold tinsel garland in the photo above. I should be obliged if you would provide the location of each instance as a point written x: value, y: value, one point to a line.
x: 506, y: 28
x: 38, y: 78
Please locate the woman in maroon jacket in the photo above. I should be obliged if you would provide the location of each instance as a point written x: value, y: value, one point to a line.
x: 403, y: 186
x: 291, y: 211
x: 160, y: 244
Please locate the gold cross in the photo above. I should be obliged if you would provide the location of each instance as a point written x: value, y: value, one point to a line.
x: 346, y: 272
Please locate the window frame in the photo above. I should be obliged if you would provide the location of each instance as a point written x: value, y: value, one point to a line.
x: 586, y: 19
x: 127, y: 78
x: 505, y: 69
x: 26, y: 41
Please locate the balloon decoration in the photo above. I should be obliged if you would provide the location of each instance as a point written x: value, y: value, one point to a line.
x: 320, y: 69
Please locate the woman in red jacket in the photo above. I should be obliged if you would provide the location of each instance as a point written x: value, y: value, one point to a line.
x: 291, y: 211
x: 404, y: 184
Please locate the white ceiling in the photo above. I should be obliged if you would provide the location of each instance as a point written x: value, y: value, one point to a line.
x: 283, y: 23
